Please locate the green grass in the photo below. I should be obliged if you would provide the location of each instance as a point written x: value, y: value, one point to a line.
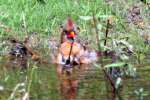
x: 45, y: 18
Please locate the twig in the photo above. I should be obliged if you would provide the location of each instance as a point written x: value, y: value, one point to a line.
x: 98, y: 43
x: 106, y: 34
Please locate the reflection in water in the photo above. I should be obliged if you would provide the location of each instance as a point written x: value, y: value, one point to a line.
x: 96, y: 88
x: 69, y: 80
x: 91, y: 88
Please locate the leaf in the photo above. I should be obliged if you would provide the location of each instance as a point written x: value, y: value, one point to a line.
x: 97, y: 65
x: 1, y: 88
x: 86, y: 18
x: 126, y: 44
x: 99, y: 26
x: 119, y: 64
x: 124, y: 57
x: 131, y: 71
x: 118, y: 82
x: 97, y: 16
x: 142, y: 56
x: 110, y: 17
x: 141, y: 90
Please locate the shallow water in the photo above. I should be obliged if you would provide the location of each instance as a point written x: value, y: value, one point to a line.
x: 42, y: 83
x: 95, y: 89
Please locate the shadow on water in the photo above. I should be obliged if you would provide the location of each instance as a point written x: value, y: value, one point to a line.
x: 92, y: 86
